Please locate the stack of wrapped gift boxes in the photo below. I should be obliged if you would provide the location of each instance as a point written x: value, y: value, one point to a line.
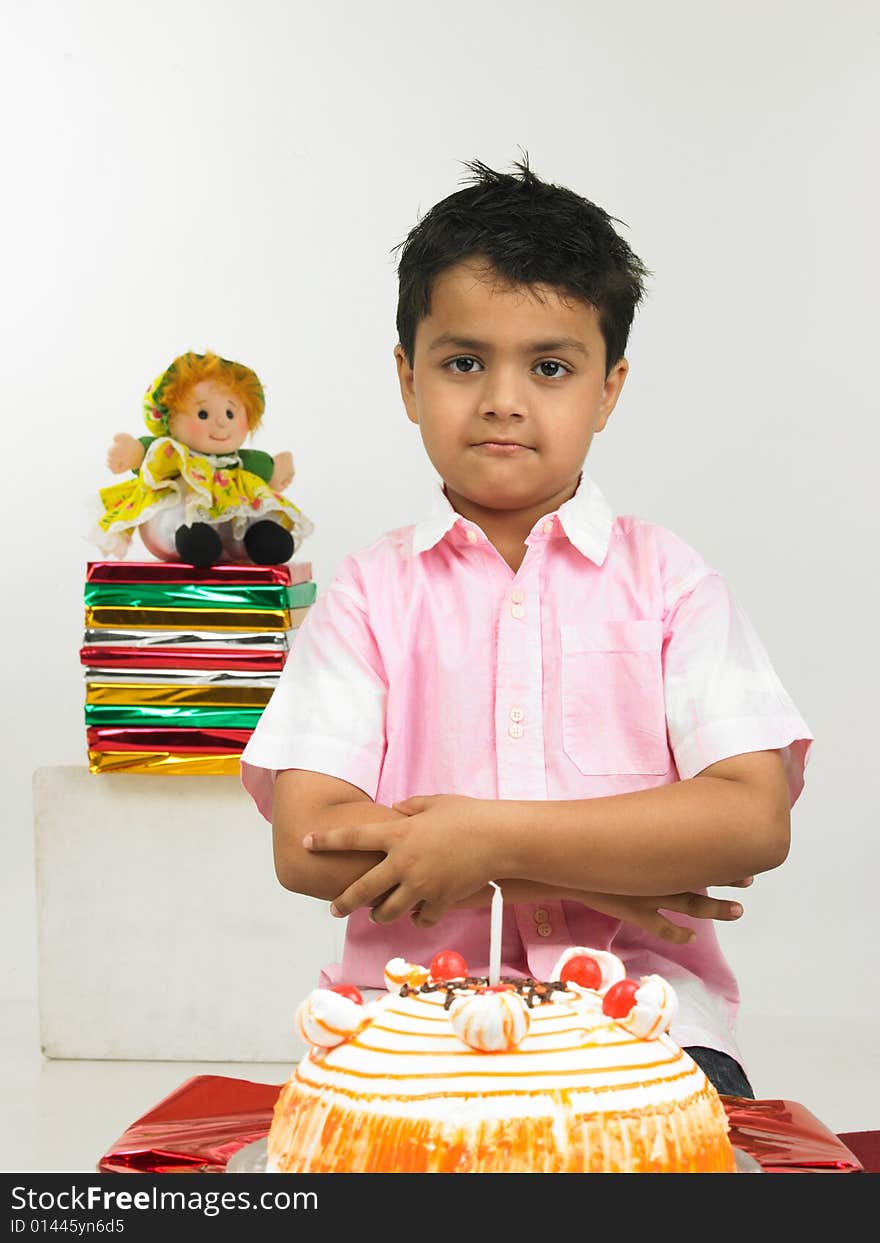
x: 181, y: 662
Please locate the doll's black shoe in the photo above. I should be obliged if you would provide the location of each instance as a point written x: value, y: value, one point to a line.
x: 268, y: 543
x: 198, y: 545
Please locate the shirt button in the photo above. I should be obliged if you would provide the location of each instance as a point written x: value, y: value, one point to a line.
x: 544, y: 930
x: 547, y: 527
x: 541, y: 915
x: 472, y: 537
x: 516, y: 714
x: 517, y: 610
x: 515, y: 731
x: 516, y: 597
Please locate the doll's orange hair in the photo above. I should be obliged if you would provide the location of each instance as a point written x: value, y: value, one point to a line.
x: 189, y: 369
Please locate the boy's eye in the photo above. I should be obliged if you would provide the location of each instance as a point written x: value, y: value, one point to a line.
x: 549, y: 362
x: 230, y: 415
x: 203, y: 414
x: 469, y: 364
x: 464, y: 358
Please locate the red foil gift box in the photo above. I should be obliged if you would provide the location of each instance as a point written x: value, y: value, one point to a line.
x: 179, y: 572
x: 209, y: 1117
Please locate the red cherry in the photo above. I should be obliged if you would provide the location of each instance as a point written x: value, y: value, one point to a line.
x: 347, y: 990
x: 448, y: 965
x: 620, y: 999
x: 583, y: 970
x: 495, y: 988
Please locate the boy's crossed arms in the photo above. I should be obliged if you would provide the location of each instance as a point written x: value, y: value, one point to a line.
x: 631, y: 856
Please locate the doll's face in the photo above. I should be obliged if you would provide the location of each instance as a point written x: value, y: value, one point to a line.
x: 210, y: 419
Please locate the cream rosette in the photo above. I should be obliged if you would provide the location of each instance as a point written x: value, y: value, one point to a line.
x: 326, y: 1019
x: 399, y: 972
x: 655, y: 1006
x: 609, y: 964
x: 490, y: 1022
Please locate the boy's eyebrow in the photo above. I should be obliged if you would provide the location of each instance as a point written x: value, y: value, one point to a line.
x: 532, y: 347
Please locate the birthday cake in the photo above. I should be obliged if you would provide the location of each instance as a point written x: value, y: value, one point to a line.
x: 447, y: 1073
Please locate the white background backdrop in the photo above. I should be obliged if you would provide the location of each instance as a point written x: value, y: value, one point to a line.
x: 233, y: 176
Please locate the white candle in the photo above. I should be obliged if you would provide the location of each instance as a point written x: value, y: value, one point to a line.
x: 495, y: 935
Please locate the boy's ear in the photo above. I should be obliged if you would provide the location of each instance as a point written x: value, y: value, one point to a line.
x: 613, y: 384
x: 407, y: 388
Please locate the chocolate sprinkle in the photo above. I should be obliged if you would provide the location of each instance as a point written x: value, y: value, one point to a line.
x: 532, y: 991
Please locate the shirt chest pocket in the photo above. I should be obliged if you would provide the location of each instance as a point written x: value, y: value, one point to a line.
x: 613, y: 713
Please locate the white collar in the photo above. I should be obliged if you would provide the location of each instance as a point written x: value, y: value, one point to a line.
x: 586, y: 520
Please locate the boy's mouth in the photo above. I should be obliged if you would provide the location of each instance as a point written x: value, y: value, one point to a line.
x: 503, y: 447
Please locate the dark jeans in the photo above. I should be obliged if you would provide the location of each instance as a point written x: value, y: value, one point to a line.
x: 726, y: 1074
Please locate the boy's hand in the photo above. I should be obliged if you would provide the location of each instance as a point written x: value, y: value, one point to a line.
x: 647, y: 912
x: 440, y: 854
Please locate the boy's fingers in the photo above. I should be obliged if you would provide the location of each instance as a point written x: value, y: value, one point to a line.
x: 365, y: 891
x: 428, y: 914
x: 411, y: 806
x: 670, y: 931
x: 701, y: 907
x: 397, y: 903
x: 347, y: 837
x: 717, y: 909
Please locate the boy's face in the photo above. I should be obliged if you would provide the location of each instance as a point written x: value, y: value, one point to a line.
x: 507, y: 390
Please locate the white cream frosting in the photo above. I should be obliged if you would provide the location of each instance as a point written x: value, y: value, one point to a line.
x: 326, y: 1019
x: 461, y: 1060
x: 656, y: 1005
x: 409, y: 1062
x: 413, y: 1053
x: 490, y: 1022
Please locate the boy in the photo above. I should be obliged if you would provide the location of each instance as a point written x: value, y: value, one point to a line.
x: 523, y: 687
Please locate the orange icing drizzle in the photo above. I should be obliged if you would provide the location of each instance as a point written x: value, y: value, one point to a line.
x: 426, y: 1096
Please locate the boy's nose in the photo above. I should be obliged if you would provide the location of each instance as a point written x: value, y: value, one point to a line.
x: 502, y: 396
x: 502, y: 410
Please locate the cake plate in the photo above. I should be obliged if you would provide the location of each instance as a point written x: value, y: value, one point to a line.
x: 249, y: 1160
x: 252, y: 1160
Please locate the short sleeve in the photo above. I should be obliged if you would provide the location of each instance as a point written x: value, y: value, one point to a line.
x: 723, y: 696
x: 258, y: 463
x: 327, y: 713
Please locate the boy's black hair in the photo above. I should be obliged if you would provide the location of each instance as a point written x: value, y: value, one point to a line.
x: 532, y: 232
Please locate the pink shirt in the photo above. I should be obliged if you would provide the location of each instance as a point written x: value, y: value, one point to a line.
x: 613, y: 660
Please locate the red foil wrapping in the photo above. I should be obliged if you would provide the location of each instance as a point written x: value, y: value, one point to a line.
x: 182, y: 658
x: 177, y: 572
x: 785, y: 1138
x: 208, y: 1118
x: 196, y: 1129
x: 177, y: 741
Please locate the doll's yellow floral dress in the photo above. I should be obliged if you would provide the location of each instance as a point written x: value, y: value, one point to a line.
x: 213, y: 488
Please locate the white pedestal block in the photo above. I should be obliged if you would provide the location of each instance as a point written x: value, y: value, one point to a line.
x: 163, y: 932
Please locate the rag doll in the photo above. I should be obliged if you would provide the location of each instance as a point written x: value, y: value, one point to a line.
x: 197, y: 495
